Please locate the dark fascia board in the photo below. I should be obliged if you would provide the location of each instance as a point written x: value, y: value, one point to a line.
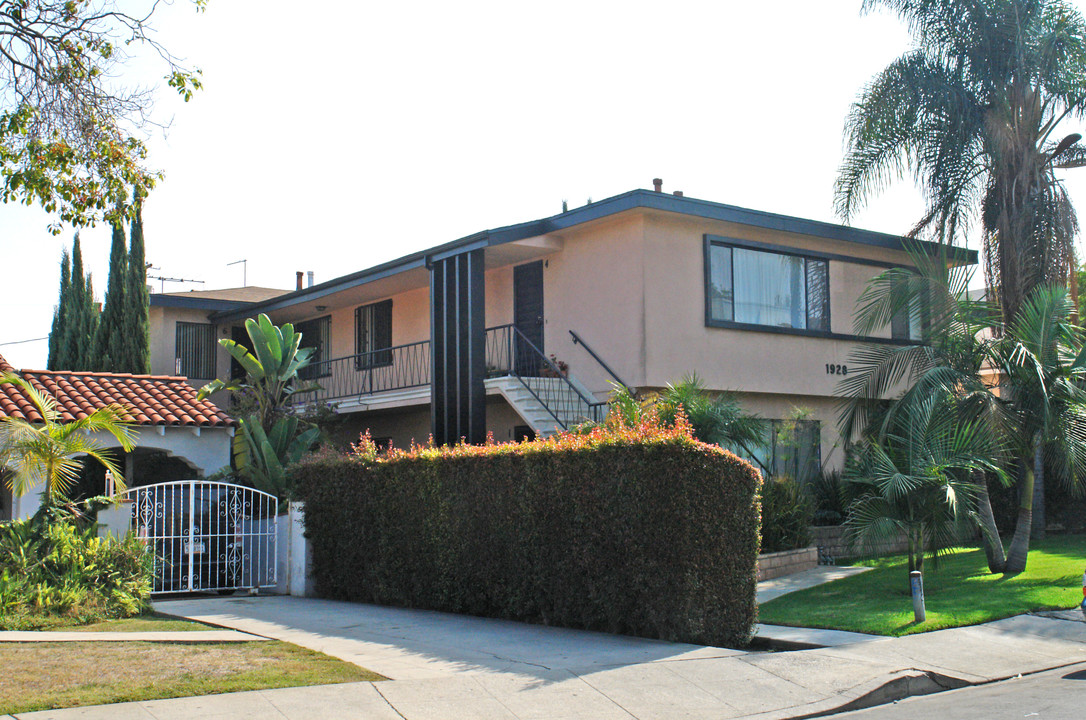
x: 631, y: 200
x: 196, y: 303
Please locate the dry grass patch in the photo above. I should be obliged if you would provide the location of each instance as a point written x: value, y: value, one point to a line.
x: 45, y: 675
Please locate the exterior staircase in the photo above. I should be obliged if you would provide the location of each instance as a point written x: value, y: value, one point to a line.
x: 547, y: 405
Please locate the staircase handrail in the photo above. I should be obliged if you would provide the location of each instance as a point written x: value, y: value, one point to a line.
x: 578, y: 340
x: 515, y: 332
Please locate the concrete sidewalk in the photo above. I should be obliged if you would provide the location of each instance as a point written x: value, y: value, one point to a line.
x: 450, y: 666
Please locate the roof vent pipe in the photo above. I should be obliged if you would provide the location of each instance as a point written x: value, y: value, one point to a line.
x: 299, y: 287
x: 678, y: 193
x: 657, y: 184
x: 310, y: 278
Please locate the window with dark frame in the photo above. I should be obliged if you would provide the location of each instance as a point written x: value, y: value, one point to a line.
x: 910, y: 323
x: 194, y: 355
x: 373, y: 335
x: 768, y: 288
x: 316, y: 334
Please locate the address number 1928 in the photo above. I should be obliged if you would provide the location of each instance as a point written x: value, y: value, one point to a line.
x: 832, y: 369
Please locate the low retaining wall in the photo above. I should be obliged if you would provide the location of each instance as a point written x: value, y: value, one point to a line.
x: 788, y: 562
x: 832, y: 546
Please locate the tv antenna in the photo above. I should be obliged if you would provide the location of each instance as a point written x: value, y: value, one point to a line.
x: 163, y: 280
x: 244, y: 271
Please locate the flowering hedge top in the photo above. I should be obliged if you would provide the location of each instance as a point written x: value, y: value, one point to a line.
x: 614, y: 432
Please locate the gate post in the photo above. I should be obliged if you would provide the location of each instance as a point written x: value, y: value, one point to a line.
x: 192, y: 537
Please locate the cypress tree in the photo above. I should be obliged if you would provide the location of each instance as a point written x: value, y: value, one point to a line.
x: 110, y: 342
x: 58, y: 355
x: 137, y: 304
x: 82, y: 320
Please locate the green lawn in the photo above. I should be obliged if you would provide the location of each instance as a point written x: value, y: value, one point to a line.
x: 958, y: 592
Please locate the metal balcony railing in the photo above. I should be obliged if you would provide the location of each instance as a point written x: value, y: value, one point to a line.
x: 508, y: 354
x: 395, y: 368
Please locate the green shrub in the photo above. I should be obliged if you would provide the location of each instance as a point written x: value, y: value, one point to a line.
x: 831, y: 496
x: 786, y: 516
x: 639, y: 530
x: 55, y: 570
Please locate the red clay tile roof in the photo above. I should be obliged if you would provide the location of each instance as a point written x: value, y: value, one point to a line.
x: 150, y: 399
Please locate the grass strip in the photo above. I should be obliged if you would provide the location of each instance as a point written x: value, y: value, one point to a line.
x: 958, y: 591
x: 46, y: 675
x: 142, y: 623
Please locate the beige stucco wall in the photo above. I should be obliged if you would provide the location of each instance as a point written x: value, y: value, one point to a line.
x: 404, y: 426
x: 411, y: 313
x: 595, y: 287
x: 634, y: 290
x: 162, y: 322
x: 748, y: 360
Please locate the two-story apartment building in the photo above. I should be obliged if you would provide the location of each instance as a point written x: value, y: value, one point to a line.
x: 524, y: 329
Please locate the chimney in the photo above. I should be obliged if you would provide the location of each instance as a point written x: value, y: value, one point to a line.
x: 310, y: 277
x: 678, y: 193
x: 657, y: 184
x: 299, y: 280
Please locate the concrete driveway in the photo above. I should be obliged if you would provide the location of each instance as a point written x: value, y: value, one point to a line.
x: 451, y: 666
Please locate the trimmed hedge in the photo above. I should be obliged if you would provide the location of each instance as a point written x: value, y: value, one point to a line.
x: 786, y: 516
x: 637, y: 530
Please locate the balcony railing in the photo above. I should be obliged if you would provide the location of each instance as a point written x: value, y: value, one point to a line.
x: 401, y: 367
x: 395, y: 368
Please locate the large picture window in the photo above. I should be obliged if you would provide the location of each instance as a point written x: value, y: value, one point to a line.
x: 195, y: 350
x: 316, y: 334
x: 373, y: 335
x: 773, y: 289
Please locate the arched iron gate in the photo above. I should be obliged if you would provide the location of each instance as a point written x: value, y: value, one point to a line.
x: 207, y: 536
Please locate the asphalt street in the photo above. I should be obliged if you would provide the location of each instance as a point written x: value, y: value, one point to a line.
x: 1052, y: 695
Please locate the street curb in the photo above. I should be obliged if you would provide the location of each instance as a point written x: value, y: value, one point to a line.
x: 900, y: 686
x: 881, y: 691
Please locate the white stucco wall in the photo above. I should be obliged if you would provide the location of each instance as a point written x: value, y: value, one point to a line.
x: 206, y: 449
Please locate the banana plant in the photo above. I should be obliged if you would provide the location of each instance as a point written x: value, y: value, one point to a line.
x: 268, y: 437
x: 271, y: 368
x: 264, y: 456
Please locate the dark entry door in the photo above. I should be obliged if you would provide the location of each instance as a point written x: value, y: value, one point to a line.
x: 528, y: 311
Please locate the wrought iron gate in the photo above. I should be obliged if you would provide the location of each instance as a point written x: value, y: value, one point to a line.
x: 207, y: 535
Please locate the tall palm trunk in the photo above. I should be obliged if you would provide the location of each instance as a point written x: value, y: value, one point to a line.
x: 1037, y: 524
x: 989, y: 533
x: 1019, y: 550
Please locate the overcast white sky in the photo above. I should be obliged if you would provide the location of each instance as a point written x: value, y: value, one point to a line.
x: 337, y: 135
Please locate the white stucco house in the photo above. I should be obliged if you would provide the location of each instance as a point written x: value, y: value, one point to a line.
x: 178, y: 435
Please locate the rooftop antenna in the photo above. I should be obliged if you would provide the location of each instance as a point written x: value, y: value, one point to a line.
x: 163, y: 280
x: 244, y: 271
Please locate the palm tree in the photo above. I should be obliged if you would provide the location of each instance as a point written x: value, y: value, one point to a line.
x: 916, y: 477
x: 50, y: 453
x: 888, y: 382
x: 1042, y: 366
x: 716, y: 418
x: 974, y: 112
x: 1039, y: 363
